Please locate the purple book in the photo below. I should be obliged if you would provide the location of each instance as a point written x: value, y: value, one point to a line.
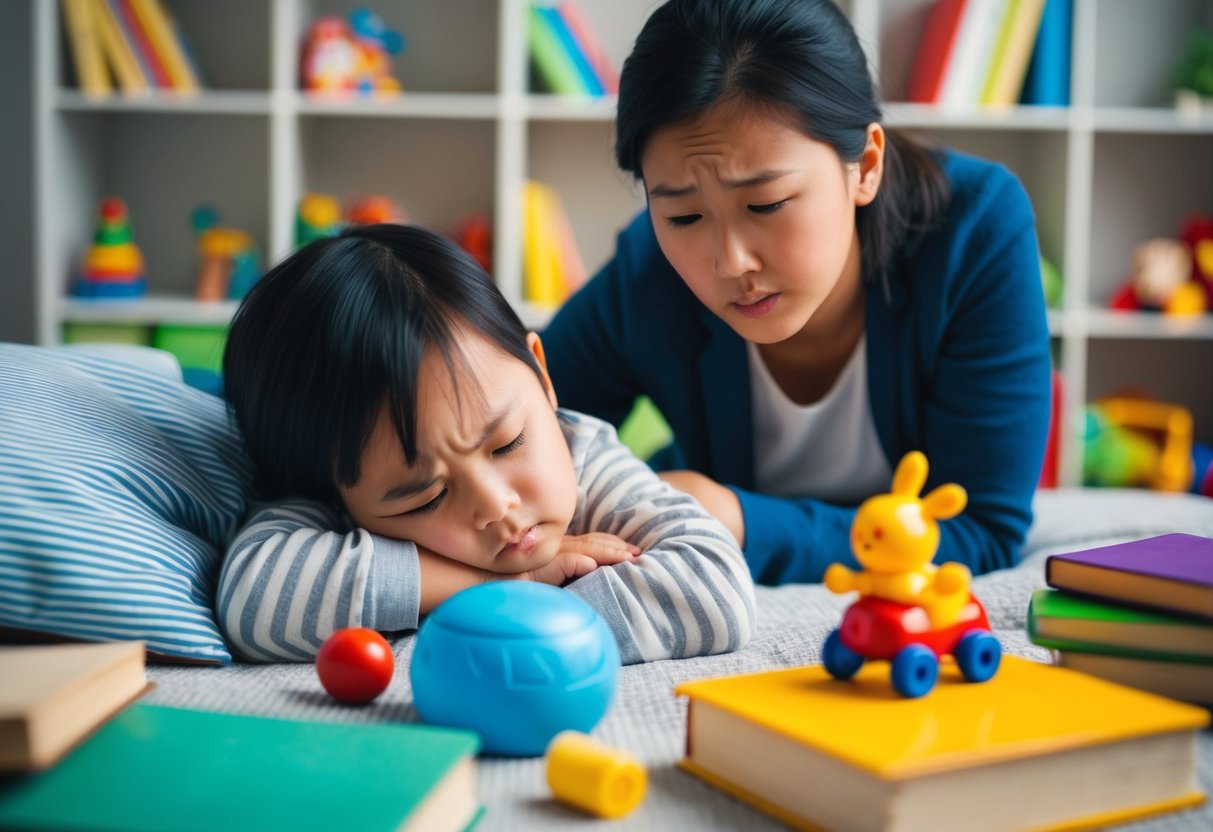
x: 1173, y: 572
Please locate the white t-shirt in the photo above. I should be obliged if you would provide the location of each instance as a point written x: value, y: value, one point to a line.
x: 828, y: 450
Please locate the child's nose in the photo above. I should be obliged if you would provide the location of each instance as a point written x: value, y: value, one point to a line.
x: 494, y: 499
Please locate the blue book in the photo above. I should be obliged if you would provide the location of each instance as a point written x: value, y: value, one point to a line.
x: 1048, y: 81
x: 589, y: 78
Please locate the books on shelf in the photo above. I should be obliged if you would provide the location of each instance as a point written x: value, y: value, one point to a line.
x: 160, y: 768
x: 134, y: 41
x: 54, y: 696
x: 816, y: 752
x: 552, y: 266
x: 1062, y: 621
x: 566, y: 54
x: 1172, y: 573
x: 975, y: 52
x: 1047, y: 83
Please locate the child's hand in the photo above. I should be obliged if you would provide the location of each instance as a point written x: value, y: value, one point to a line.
x: 580, y: 555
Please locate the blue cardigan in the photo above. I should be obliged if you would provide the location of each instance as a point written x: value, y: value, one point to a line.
x: 958, y: 367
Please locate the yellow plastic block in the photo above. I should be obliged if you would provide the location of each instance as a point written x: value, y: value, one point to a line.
x: 593, y: 777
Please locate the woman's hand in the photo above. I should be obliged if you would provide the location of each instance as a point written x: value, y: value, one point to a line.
x: 581, y: 554
x: 718, y: 501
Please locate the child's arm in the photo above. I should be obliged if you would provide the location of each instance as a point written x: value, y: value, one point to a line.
x: 291, y: 577
x: 690, y: 591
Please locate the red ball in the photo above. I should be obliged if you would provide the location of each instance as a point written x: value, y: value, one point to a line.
x: 355, y: 665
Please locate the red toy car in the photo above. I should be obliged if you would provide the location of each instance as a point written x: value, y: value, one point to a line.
x: 875, y: 628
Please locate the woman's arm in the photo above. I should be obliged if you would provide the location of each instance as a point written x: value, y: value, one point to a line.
x: 689, y: 593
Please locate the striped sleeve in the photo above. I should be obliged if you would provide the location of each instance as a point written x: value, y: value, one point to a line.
x: 690, y: 592
x: 291, y: 578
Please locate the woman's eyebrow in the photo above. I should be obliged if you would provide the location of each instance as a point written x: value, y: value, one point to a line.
x: 761, y: 178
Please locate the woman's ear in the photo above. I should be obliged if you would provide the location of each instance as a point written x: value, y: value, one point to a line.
x: 536, y: 347
x: 871, y: 166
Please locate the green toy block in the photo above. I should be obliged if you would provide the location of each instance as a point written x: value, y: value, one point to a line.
x: 90, y: 333
x: 645, y: 430
x: 196, y: 347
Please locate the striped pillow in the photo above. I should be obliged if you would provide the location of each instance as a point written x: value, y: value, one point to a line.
x: 118, y: 491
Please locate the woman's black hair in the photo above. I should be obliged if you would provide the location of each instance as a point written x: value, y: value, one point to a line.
x: 336, y: 331
x: 802, y: 57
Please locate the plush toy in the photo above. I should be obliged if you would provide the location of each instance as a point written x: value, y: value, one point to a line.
x: 1161, y: 280
x: 1197, y: 232
x: 353, y: 55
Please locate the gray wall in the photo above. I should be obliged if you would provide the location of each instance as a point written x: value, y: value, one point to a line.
x: 16, y: 172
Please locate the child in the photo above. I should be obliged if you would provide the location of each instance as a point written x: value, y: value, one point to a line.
x: 402, y: 420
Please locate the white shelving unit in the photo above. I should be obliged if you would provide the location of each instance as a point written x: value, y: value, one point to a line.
x: 1117, y: 167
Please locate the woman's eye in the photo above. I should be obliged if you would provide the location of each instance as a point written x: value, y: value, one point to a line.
x: 512, y: 446
x: 429, y: 507
x: 683, y: 220
x: 768, y: 208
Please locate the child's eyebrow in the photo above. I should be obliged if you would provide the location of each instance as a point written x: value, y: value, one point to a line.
x: 407, y: 489
x: 661, y: 191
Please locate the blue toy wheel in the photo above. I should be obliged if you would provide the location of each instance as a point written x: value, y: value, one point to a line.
x: 841, y: 661
x: 978, y: 654
x: 914, y: 671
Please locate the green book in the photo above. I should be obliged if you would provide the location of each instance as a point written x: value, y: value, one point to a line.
x: 553, y: 64
x: 1063, y: 621
x: 159, y: 768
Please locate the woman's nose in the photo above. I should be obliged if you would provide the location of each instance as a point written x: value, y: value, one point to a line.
x: 735, y: 257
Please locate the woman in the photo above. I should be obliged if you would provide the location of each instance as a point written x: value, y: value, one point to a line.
x: 808, y: 295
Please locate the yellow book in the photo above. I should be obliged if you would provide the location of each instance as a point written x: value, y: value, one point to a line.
x: 1036, y: 747
x: 542, y: 281
x: 1012, y: 52
x: 87, y: 59
x: 118, y: 50
x: 55, y: 696
x: 164, y: 40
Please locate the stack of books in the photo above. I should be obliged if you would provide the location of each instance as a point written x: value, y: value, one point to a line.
x: 993, y: 53
x: 566, y: 54
x: 1138, y: 613
x: 135, y: 41
x: 1034, y: 747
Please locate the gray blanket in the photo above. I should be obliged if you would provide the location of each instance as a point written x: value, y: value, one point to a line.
x: 649, y: 721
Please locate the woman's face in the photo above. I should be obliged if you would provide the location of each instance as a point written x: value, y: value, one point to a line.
x: 756, y: 217
x: 493, y: 484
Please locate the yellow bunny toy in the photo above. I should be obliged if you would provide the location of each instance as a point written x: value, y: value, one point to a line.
x: 895, y: 536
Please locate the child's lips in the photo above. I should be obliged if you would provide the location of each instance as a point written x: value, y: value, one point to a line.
x: 524, y: 545
x: 756, y: 304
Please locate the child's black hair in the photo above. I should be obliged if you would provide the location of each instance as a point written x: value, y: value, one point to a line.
x: 336, y: 331
x: 801, y: 56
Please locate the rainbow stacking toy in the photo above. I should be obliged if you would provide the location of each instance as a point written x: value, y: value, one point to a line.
x: 113, y: 266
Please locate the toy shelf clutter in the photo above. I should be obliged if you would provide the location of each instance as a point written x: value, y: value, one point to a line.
x: 1117, y: 167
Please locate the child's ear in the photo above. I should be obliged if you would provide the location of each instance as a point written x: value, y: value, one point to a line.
x: 536, y: 347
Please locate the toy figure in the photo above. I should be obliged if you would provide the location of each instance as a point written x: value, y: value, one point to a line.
x: 1135, y: 442
x: 227, y: 266
x: 1160, y: 280
x: 909, y: 611
x: 372, y: 210
x: 113, y: 267
x: 351, y: 55
x: 1197, y: 232
x: 319, y: 215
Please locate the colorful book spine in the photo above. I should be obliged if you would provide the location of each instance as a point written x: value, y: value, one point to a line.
x: 167, y: 46
x: 156, y: 73
x: 1004, y: 81
x: 935, y: 50
x: 118, y: 50
x: 1048, y: 79
x: 575, y: 19
x: 966, y: 72
x: 553, y: 64
x: 87, y: 57
x: 589, y: 78
x: 544, y: 282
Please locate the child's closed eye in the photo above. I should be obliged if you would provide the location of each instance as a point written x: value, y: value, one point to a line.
x: 512, y: 446
x: 428, y: 508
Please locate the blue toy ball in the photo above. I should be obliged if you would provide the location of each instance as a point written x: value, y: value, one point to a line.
x: 516, y: 662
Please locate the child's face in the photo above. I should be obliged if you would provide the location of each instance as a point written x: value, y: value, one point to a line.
x: 493, y: 485
x: 756, y: 217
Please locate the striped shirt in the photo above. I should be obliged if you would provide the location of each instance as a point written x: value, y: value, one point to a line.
x: 297, y: 571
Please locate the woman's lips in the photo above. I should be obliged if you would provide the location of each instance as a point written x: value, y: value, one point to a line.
x: 523, y: 545
x: 757, y: 306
